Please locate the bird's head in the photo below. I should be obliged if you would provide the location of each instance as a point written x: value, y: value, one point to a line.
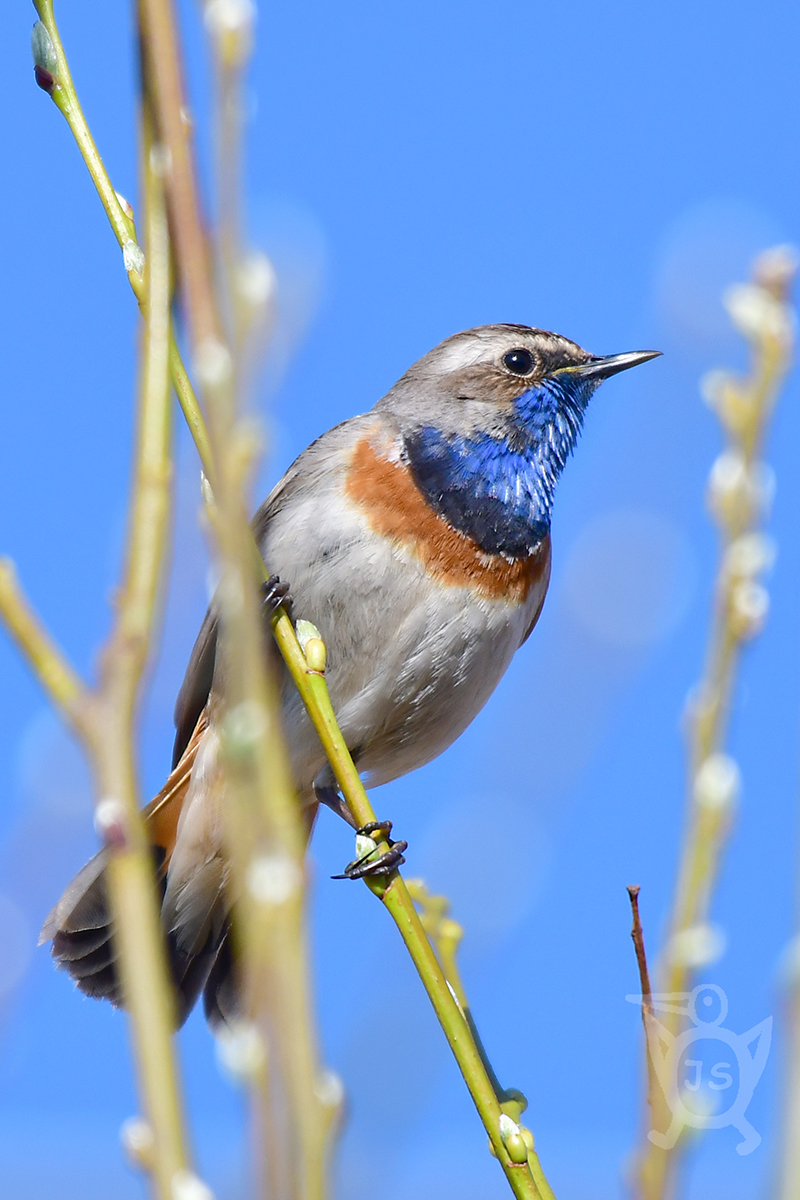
x: 488, y: 419
x: 474, y: 381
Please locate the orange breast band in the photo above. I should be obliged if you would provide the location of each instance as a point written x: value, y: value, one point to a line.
x: 394, y: 507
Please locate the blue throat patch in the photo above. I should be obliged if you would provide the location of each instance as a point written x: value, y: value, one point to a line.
x: 499, y: 490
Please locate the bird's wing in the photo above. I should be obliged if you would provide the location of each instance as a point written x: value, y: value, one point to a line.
x: 541, y: 591
x: 309, y: 471
x: 193, y: 696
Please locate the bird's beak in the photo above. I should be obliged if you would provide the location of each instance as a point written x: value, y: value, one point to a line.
x: 610, y: 364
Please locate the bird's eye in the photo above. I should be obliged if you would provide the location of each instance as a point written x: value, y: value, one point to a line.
x: 519, y: 362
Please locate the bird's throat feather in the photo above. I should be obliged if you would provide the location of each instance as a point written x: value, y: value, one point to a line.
x: 386, y: 493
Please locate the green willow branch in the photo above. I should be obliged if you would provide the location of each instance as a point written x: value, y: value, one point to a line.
x: 446, y: 935
x: 104, y: 720
x: 738, y: 497
x: 50, y: 57
x: 314, y: 693
x: 53, y: 76
x: 396, y: 898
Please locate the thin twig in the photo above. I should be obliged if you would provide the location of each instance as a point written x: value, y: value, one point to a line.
x: 446, y: 936
x: 104, y: 720
x: 163, y: 61
x: 789, y: 1167
x: 395, y: 896
x: 739, y: 500
x: 232, y: 42
x: 264, y: 827
x: 637, y: 936
x: 246, y: 277
x: 135, y: 906
x: 66, y: 100
x: 58, y: 678
x: 273, y: 952
x: 638, y: 943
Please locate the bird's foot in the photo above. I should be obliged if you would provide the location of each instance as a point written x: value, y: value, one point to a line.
x: 274, y: 593
x: 366, y: 865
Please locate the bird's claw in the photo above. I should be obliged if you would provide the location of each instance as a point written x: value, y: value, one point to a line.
x: 274, y: 593
x: 376, y: 827
x: 385, y: 864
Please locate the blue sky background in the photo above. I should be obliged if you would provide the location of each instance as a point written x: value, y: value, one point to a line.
x: 415, y: 170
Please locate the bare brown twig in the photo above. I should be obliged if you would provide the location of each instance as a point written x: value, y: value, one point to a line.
x: 637, y: 936
x: 638, y: 943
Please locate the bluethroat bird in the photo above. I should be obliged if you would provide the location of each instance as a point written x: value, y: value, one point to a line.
x: 417, y: 538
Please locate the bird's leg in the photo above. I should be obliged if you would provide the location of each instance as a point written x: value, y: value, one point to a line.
x: 385, y: 863
x: 331, y: 797
x: 370, y: 860
x: 275, y: 592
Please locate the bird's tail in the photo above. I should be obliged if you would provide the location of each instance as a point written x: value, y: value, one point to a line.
x: 80, y: 930
x: 80, y: 925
